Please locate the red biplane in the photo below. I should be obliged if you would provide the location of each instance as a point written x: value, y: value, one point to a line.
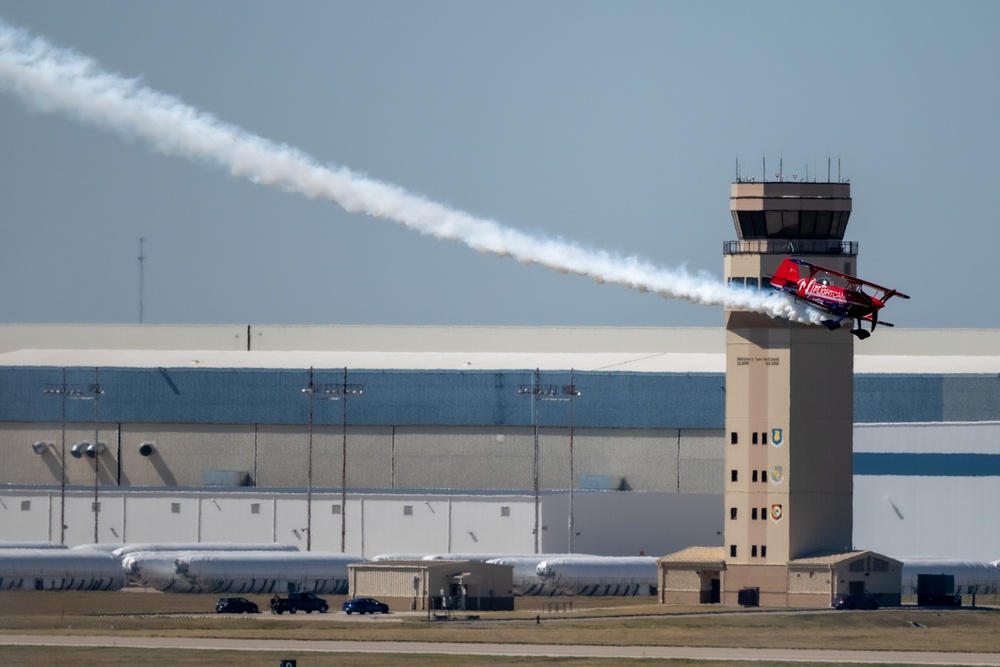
x: 847, y: 301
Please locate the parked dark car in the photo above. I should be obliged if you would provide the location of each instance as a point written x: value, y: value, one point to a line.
x: 236, y: 606
x: 365, y: 606
x: 307, y: 602
x: 855, y: 602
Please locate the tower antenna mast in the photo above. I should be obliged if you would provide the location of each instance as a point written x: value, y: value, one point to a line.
x: 142, y: 276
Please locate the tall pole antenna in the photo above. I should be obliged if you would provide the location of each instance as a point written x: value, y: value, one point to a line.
x: 142, y: 276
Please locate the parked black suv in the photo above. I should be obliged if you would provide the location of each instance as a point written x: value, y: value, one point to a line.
x: 307, y: 602
x: 365, y: 606
x: 855, y: 602
x: 236, y: 606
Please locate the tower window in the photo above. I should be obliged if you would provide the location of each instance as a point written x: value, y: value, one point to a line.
x: 732, y: 512
x: 764, y: 437
x: 763, y: 476
x: 763, y: 513
x: 753, y: 551
x: 753, y: 513
x: 753, y: 477
x: 763, y: 551
x: 734, y: 475
x: 733, y: 439
x: 732, y: 551
x: 753, y: 438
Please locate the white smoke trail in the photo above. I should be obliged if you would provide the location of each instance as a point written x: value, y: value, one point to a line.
x: 56, y: 80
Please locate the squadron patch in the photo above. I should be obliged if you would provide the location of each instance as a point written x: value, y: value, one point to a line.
x: 777, y: 476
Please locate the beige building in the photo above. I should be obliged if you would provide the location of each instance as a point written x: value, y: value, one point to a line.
x: 423, y: 585
x: 687, y: 577
x: 789, y: 421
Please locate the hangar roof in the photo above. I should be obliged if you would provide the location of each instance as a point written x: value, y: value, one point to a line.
x: 372, y: 360
x: 630, y: 349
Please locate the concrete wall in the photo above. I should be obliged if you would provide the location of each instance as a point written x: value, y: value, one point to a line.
x: 772, y: 580
x: 677, y: 586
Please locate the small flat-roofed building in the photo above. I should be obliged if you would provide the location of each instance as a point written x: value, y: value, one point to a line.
x: 698, y: 575
x: 814, y: 582
x: 692, y: 576
x: 422, y: 585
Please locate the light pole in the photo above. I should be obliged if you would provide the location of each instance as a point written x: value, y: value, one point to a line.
x: 60, y: 391
x: 84, y: 392
x: 330, y: 392
x: 538, y: 392
x: 571, y: 391
x: 342, y: 392
x: 95, y: 389
x: 310, y: 393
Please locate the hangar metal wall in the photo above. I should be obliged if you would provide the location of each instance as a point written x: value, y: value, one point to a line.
x: 900, y: 397
x: 411, y: 457
x: 928, y: 490
x: 607, y: 523
x: 412, y: 429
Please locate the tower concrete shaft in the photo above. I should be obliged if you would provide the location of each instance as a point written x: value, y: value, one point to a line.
x: 789, y: 389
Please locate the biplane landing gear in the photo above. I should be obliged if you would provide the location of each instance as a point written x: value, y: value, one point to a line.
x: 832, y: 325
x: 861, y: 333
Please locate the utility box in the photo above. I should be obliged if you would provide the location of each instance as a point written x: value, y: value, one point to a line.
x: 749, y: 597
x: 937, y: 590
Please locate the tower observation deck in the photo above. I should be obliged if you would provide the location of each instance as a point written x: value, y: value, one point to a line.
x: 790, y: 218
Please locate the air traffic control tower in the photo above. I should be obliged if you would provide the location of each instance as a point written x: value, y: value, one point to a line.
x: 789, y: 388
x: 788, y: 478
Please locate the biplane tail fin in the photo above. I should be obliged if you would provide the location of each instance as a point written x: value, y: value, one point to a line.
x: 891, y: 293
x: 787, y: 276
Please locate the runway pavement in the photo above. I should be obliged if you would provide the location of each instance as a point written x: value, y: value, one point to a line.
x: 292, y: 647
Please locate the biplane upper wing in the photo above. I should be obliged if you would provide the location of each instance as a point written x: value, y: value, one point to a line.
x: 816, y: 268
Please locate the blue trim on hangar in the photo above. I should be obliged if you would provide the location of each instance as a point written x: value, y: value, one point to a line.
x: 927, y: 465
x: 460, y: 398
x: 392, y: 397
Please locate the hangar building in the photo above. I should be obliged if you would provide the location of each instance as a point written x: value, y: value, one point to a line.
x: 206, y: 437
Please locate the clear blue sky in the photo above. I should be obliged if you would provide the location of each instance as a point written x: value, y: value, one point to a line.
x: 617, y: 125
